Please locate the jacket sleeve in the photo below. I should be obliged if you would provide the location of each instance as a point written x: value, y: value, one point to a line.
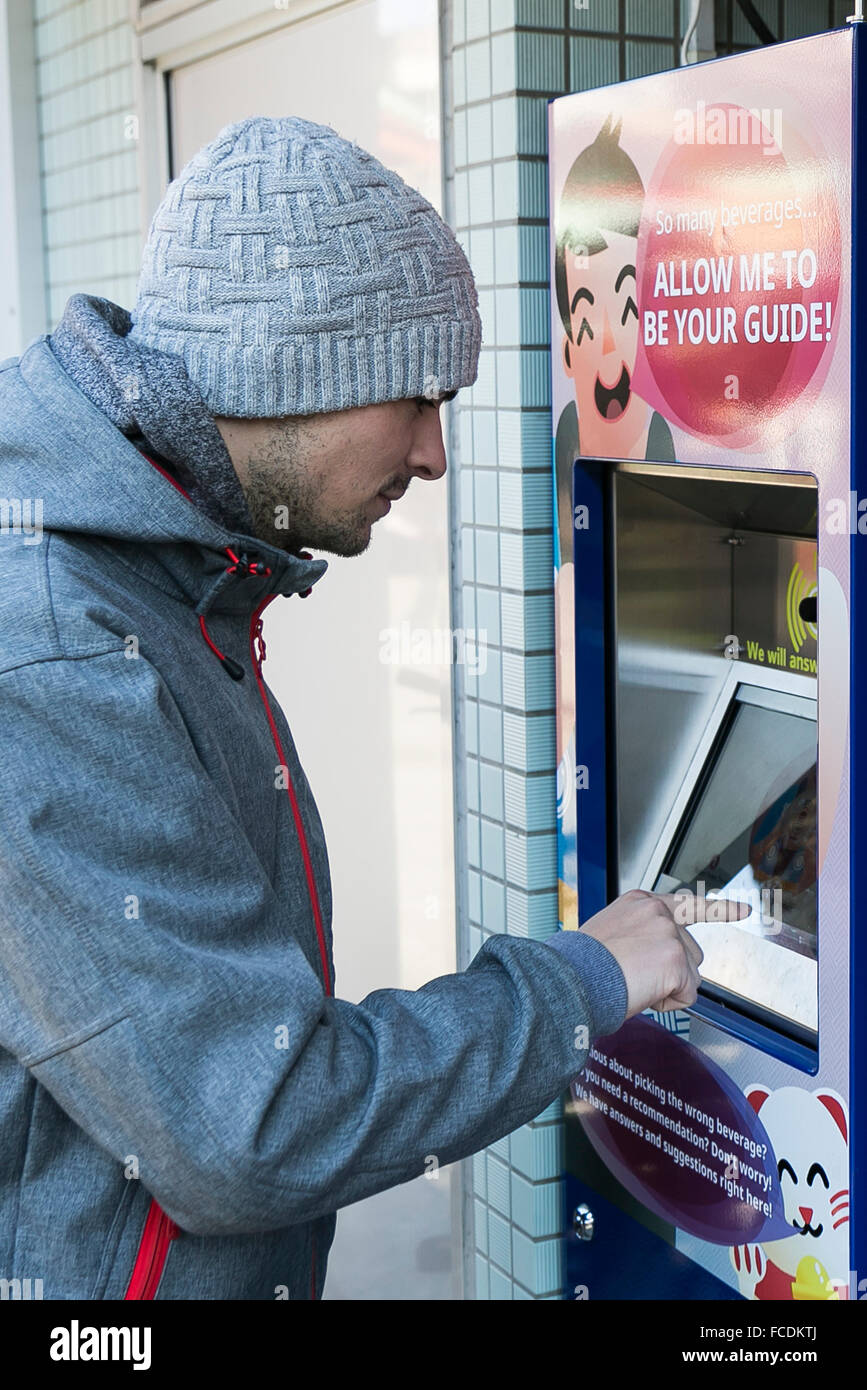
x: 150, y: 981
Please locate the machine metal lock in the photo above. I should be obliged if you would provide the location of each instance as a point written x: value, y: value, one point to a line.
x: 584, y: 1222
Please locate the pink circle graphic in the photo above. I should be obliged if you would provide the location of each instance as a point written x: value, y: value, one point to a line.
x: 738, y: 277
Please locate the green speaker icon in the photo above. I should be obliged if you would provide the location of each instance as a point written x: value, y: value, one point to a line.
x: 801, y: 586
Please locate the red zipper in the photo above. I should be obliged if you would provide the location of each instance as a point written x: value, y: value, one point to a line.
x: 159, y: 1229
x: 159, y: 1232
x: 257, y: 654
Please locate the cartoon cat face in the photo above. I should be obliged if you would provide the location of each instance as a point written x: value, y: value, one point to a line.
x: 810, y: 1139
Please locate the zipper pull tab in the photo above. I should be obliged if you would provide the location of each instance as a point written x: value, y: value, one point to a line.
x: 259, y: 645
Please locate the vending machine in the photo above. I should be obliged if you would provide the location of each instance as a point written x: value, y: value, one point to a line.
x: 709, y: 330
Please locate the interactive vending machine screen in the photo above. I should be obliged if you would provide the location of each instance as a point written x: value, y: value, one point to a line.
x: 750, y: 834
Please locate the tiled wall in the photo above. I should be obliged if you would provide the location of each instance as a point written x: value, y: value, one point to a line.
x: 86, y: 97
x: 506, y: 59
x: 786, y: 19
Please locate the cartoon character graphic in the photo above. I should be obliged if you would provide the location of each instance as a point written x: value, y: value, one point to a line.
x: 597, y: 223
x: 810, y: 1139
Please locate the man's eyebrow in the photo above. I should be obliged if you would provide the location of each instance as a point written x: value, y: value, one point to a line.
x: 627, y: 270
x: 583, y: 293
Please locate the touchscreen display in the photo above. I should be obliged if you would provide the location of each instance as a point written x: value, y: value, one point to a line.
x: 750, y: 833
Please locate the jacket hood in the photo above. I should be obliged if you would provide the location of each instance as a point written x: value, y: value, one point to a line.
x: 65, y: 460
x: 149, y: 397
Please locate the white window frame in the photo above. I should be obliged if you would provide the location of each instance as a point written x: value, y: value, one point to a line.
x: 172, y: 33
x: 23, y: 311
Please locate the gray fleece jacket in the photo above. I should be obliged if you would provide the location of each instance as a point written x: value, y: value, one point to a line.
x: 185, y: 1100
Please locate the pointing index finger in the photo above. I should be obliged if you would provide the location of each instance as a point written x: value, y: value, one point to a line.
x: 688, y: 908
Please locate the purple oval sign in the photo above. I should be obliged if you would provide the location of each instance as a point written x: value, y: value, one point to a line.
x: 675, y: 1130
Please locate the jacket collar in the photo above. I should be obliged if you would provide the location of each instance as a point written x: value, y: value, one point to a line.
x: 95, y: 482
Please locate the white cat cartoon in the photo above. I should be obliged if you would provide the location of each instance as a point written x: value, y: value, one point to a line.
x: 809, y: 1134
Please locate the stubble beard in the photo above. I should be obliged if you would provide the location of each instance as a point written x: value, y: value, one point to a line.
x: 285, y: 503
x: 290, y: 521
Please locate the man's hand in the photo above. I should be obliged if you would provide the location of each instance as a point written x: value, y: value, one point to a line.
x: 659, y: 959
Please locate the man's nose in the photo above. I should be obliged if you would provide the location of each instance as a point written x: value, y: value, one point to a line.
x: 427, y: 457
x: 608, y: 343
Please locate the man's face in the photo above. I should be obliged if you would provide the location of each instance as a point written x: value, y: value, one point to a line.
x: 600, y: 357
x: 323, y: 480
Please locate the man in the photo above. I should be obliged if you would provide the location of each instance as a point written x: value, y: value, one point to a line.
x: 185, y: 1102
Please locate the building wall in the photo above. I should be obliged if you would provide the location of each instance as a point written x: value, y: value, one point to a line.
x: 88, y: 134
x: 786, y: 19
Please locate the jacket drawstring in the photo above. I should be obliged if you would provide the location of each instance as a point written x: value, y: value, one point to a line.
x: 252, y: 568
x: 248, y: 567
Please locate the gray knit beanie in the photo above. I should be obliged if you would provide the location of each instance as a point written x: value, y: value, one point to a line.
x: 294, y: 274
